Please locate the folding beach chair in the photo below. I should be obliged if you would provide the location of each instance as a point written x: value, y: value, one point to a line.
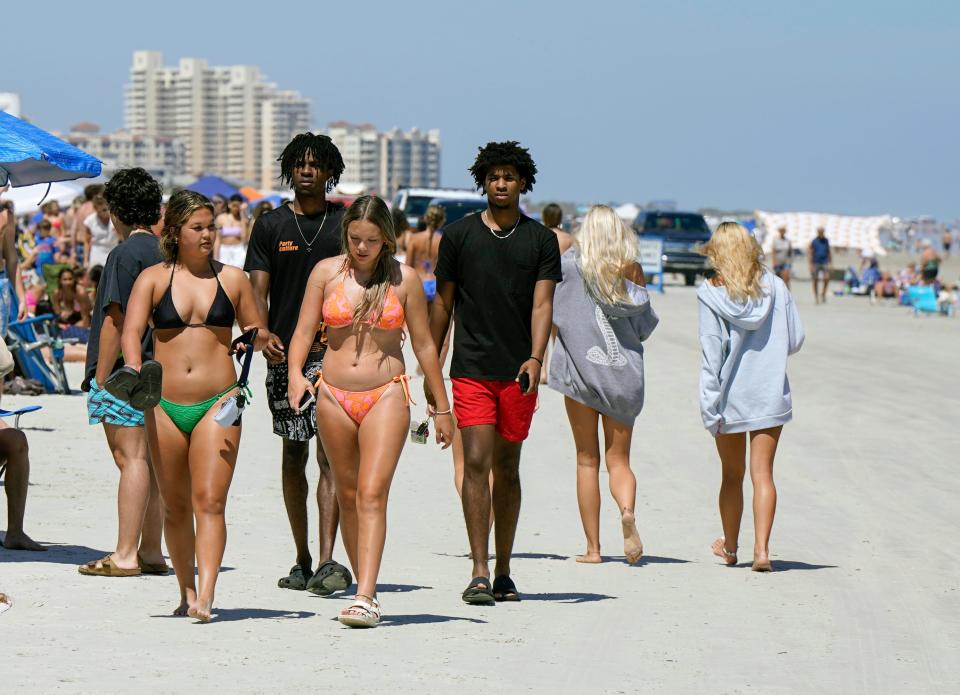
x: 16, y: 423
x: 27, y: 340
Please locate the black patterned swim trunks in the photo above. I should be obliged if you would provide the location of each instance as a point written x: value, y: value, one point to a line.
x: 289, y: 424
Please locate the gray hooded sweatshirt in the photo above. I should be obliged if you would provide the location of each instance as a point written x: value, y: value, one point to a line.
x: 743, y: 380
x: 598, y: 357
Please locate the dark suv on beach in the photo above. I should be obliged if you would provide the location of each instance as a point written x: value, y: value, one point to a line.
x: 682, y: 233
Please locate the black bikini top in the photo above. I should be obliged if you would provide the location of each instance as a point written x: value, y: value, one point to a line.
x: 221, y: 313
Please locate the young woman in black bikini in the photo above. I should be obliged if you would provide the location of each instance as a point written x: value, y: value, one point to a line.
x: 194, y: 456
x: 366, y: 298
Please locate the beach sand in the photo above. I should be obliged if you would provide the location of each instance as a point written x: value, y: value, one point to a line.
x: 863, y: 598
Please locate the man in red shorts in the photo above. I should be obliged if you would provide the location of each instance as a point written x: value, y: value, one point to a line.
x: 496, y: 271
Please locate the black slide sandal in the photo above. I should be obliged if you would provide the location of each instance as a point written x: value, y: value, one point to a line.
x: 478, y: 592
x: 504, y: 589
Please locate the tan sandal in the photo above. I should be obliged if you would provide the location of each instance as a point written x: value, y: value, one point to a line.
x: 106, y: 569
x: 361, y: 613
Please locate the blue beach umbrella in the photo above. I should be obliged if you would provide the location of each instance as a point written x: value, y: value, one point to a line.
x: 29, y: 155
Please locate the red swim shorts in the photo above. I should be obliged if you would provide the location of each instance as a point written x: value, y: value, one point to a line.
x: 493, y: 402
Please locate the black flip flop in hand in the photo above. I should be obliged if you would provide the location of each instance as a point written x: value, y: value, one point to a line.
x: 140, y: 389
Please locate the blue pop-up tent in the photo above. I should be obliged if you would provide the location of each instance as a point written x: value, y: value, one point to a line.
x: 30, y: 155
x: 213, y: 185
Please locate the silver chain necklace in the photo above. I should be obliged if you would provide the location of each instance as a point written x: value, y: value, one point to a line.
x: 497, y: 235
x: 309, y: 244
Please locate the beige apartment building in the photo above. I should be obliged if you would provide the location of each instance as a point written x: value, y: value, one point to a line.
x: 163, y: 157
x: 382, y: 162
x: 230, y: 120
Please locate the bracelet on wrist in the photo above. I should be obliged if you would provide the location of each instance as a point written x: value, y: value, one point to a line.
x: 448, y: 411
x: 537, y: 359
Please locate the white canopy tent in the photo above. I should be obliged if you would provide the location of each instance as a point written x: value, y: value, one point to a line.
x: 843, y: 231
x: 26, y: 199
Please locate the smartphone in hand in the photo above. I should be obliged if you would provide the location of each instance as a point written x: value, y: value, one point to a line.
x: 305, y: 402
x: 524, y: 382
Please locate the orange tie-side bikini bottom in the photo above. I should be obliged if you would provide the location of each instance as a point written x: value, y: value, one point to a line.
x: 357, y: 404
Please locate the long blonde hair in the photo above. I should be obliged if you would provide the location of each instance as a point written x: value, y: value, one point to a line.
x: 372, y: 209
x: 735, y: 255
x: 606, y: 247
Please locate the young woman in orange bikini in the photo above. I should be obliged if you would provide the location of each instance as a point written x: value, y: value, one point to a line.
x: 364, y: 297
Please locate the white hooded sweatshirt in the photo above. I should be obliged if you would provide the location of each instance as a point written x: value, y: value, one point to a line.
x: 743, y: 379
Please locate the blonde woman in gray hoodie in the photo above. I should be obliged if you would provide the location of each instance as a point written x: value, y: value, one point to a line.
x: 602, y: 313
x: 748, y: 326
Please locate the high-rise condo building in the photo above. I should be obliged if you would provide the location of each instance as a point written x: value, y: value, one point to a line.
x: 231, y: 122
x: 383, y: 162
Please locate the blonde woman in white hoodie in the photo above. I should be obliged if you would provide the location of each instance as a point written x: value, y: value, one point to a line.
x: 748, y: 326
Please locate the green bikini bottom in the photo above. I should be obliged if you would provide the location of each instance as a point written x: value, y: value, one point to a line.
x: 186, y: 416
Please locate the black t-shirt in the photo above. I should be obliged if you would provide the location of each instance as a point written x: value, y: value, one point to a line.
x: 495, y: 279
x: 278, y: 247
x: 123, y: 267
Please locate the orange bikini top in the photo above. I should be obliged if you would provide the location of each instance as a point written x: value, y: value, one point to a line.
x: 338, y: 310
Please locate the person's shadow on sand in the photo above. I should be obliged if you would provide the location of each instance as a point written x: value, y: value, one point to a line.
x: 59, y: 553
x: 229, y: 615
x: 649, y: 560
x: 788, y: 565
x: 572, y: 597
x: 424, y: 619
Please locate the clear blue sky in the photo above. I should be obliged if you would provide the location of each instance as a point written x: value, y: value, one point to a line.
x: 848, y: 107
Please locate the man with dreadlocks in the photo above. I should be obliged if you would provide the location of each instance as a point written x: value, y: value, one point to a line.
x: 285, y: 244
x: 496, y: 271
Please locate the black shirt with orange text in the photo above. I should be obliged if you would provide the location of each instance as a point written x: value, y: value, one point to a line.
x: 278, y: 247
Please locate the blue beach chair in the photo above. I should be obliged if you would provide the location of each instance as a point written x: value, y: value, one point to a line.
x: 15, y: 414
x: 923, y: 299
x: 26, y: 340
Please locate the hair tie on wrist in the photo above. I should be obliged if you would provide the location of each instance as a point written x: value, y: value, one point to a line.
x: 537, y: 359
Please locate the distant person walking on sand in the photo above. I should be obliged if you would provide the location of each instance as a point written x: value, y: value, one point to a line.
x: 135, y: 206
x: 368, y: 300
x: 233, y: 233
x: 821, y: 260
x: 748, y: 326
x: 929, y: 263
x: 497, y: 270
x: 602, y: 312
x: 552, y: 218
x: 285, y: 245
x: 76, y: 232
x: 423, y: 249
x: 947, y: 242
x: 782, y: 252
x: 195, y: 455
x: 99, y: 235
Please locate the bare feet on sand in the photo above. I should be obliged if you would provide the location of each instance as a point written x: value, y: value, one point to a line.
x: 200, y: 610
x: 590, y: 557
x: 761, y: 562
x: 187, y: 599
x: 720, y: 550
x: 18, y: 540
x: 632, y: 545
